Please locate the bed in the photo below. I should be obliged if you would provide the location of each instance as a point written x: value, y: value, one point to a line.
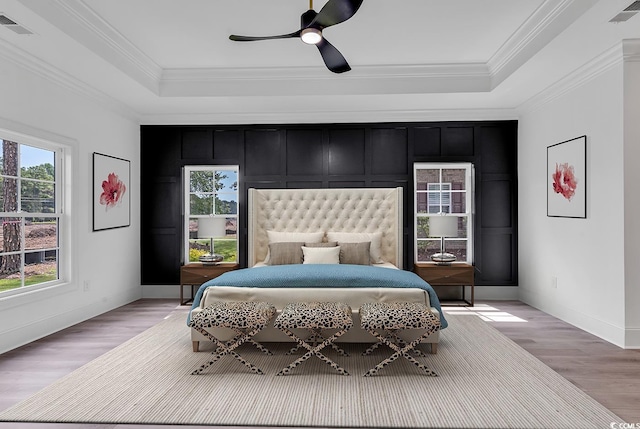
x: 350, y: 241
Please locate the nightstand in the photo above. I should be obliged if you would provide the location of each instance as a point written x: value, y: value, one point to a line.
x: 458, y: 274
x: 194, y: 274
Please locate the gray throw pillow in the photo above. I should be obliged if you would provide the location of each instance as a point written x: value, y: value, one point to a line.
x: 285, y: 253
x: 355, y: 253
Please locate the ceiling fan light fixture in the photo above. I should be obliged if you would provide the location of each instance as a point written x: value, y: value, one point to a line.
x: 310, y: 31
x: 311, y: 36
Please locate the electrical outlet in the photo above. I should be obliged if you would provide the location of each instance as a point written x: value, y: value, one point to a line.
x: 86, y: 286
x: 554, y: 282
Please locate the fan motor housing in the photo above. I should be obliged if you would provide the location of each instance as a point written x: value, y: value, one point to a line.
x: 307, y: 17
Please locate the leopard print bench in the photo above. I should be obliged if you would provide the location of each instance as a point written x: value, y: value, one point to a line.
x: 245, y: 318
x: 393, y: 317
x: 315, y: 317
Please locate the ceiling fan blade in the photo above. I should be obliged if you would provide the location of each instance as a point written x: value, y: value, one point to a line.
x: 335, y: 12
x: 332, y: 57
x: 236, y: 38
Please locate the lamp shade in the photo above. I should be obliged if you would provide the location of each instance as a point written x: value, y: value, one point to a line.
x: 212, y: 227
x: 443, y: 226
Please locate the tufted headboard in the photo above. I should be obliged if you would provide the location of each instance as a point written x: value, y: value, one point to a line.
x: 310, y: 210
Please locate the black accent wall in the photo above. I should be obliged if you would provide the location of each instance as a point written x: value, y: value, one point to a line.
x: 331, y: 156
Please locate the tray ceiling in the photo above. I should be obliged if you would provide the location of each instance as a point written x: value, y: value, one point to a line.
x: 171, y: 58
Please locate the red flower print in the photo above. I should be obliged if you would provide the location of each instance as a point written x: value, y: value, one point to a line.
x: 564, y: 180
x: 112, y: 191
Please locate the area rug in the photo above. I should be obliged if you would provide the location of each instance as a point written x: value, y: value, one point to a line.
x: 485, y: 380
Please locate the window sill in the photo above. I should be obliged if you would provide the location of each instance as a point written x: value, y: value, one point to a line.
x: 33, y: 294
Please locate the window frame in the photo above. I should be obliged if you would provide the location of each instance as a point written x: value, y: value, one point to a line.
x: 469, y: 203
x: 62, y: 194
x: 186, y: 212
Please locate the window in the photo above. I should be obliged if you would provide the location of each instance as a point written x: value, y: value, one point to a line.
x: 439, y: 197
x: 211, y: 212
x: 443, y: 188
x: 31, y: 215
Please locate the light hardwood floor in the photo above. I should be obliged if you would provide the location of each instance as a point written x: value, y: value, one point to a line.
x: 607, y: 373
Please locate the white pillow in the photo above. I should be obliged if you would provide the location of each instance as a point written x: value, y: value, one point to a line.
x: 321, y: 255
x: 284, y: 237
x: 358, y: 237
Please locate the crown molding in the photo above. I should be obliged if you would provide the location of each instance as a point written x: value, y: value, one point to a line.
x: 579, y: 77
x: 547, y: 22
x: 631, y: 50
x: 309, y: 117
x: 62, y: 79
x: 17, y: 131
x: 370, y: 80
x: 84, y: 25
x: 79, y: 21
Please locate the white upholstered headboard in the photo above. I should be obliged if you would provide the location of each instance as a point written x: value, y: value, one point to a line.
x: 310, y: 210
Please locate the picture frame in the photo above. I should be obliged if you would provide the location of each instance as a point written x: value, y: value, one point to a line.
x: 567, y: 178
x: 111, y: 192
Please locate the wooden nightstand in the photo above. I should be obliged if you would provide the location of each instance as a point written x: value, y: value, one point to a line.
x: 455, y: 274
x: 194, y: 274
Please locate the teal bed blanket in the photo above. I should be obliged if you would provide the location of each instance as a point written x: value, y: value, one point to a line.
x: 321, y: 275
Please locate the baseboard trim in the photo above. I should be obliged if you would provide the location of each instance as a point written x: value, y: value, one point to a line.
x: 37, y: 329
x: 497, y: 293
x: 632, y: 338
x: 621, y: 337
x: 165, y: 291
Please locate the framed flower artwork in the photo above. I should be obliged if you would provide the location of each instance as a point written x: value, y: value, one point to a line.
x: 111, y: 197
x: 567, y: 178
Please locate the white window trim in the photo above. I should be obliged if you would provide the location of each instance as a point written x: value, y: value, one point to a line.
x: 469, y: 198
x: 186, y: 173
x: 66, y: 197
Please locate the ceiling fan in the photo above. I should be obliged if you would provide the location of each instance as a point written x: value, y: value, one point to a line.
x: 311, y: 25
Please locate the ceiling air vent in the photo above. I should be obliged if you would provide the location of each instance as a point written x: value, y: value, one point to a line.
x: 10, y: 24
x: 635, y: 6
x: 627, y: 13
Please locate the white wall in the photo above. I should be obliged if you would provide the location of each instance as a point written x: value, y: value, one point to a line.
x: 585, y: 255
x: 631, y: 191
x: 109, y: 260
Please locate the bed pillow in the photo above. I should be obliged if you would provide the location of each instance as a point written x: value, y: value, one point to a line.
x: 321, y: 255
x: 322, y: 244
x: 355, y: 253
x: 292, y: 237
x: 285, y: 253
x: 358, y: 237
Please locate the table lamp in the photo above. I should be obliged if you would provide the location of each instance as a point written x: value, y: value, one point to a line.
x: 443, y: 226
x: 211, y: 227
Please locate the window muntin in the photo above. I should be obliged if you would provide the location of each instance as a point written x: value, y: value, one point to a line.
x: 211, y: 212
x: 438, y: 197
x: 30, y: 216
x: 443, y: 188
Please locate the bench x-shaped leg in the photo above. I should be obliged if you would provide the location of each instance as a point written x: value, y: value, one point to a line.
x: 259, y: 346
x: 227, y: 348
x: 315, y: 338
x: 392, y: 335
x: 404, y: 351
x: 313, y: 351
